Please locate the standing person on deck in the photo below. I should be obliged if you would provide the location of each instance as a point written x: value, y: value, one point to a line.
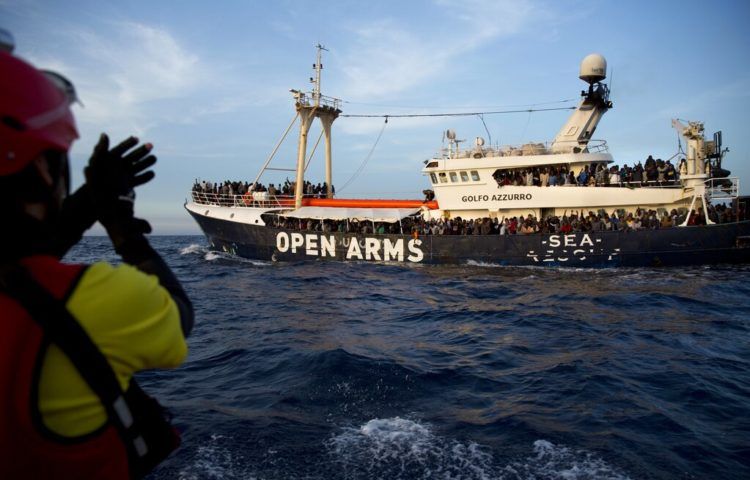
x: 73, y: 336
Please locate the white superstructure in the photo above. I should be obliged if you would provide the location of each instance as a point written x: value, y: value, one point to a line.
x: 464, y: 181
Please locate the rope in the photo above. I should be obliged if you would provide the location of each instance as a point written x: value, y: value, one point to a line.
x: 463, y: 114
x: 367, y: 158
x: 493, y: 106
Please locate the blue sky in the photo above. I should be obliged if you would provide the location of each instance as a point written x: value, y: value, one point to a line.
x: 208, y: 82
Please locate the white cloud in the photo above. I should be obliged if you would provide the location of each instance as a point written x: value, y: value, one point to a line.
x: 134, y: 77
x: 119, y: 76
x: 388, y: 57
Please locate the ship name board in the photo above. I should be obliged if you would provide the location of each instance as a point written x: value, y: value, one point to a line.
x: 366, y: 248
x: 497, y: 197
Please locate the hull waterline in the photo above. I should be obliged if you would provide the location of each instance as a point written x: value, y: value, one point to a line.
x: 698, y: 245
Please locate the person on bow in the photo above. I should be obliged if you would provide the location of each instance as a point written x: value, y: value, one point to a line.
x: 72, y: 336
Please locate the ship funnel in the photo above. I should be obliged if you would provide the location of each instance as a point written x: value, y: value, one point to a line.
x: 593, y: 69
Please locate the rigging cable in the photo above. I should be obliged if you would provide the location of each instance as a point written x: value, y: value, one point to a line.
x: 489, y: 135
x: 462, y: 114
x: 494, y: 106
x: 367, y: 158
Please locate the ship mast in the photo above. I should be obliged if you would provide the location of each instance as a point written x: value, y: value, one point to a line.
x: 309, y: 106
x: 578, y: 130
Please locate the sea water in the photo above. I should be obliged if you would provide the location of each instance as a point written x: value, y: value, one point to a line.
x: 322, y: 370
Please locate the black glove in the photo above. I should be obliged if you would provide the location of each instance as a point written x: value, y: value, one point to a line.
x: 111, y: 176
x: 81, y: 209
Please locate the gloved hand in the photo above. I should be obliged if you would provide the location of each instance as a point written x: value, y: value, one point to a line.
x: 108, y: 172
x: 110, y: 178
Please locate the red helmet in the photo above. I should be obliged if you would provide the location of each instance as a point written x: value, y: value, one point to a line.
x: 35, y: 113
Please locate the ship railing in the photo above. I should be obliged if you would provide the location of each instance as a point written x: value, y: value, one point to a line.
x: 632, y: 184
x: 593, y: 146
x: 597, y: 146
x: 649, y: 184
x: 252, y: 199
x: 725, y: 188
x: 311, y: 99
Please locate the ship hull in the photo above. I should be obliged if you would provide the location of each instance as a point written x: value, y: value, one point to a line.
x: 698, y: 245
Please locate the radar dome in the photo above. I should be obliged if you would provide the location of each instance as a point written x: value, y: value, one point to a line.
x: 593, y: 68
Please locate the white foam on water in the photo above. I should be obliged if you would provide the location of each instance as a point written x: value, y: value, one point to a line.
x: 211, y: 256
x: 475, y: 263
x: 192, y: 248
x: 399, y: 448
x: 555, y: 461
x: 214, y: 461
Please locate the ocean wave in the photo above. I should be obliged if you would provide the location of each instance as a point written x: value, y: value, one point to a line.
x: 192, y: 248
x: 400, y: 448
x: 555, y: 461
x: 212, y: 460
x: 213, y: 255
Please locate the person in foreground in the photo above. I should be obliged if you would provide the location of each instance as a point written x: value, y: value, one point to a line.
x: 72, y: 336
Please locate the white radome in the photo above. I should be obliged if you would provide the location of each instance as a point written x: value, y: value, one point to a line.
x: 593, y: 68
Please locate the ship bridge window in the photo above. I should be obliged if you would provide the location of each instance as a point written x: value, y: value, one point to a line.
x: 464, y: 177
x: 443, y: 177
x: 432, y: 164
x: 433, y: 178
x: 475, y: 175
x: 454, y: 177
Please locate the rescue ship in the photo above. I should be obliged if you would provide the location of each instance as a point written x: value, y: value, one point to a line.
x: 465, y: 185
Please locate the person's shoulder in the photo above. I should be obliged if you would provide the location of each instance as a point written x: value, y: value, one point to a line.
x: 105, y: 274
x: 130, y: 316
x: 107, y: 287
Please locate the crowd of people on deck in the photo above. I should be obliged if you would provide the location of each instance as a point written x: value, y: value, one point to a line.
x: 654, y: 172
x: 230, y: 188
x: 651, y: 172
x: 575, y: 221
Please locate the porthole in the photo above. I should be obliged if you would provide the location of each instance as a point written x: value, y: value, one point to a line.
x: 454, y: 177
x: 464, y: 177
x: 206, y: 214
x: 475, y: 175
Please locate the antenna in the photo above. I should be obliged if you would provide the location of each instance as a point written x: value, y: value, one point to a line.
x: 318, y: 66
